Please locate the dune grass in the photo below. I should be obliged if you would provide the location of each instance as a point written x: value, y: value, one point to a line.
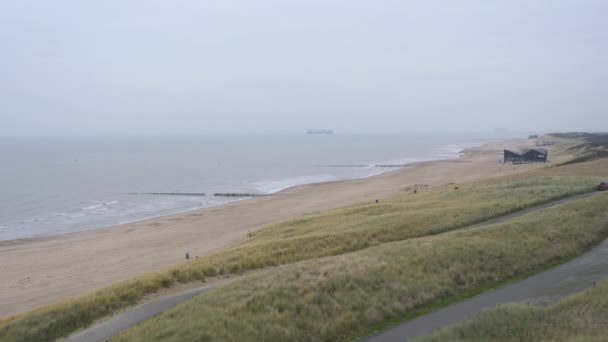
x: 393, y: 219
x: 583, y: 146
x: 339, y: 297
x: 579, y: 317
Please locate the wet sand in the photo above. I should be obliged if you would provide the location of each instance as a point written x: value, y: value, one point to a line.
x: 39, y: 271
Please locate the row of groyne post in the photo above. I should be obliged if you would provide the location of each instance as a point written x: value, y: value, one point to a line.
x: 236, y: 195
x: 218, y: 194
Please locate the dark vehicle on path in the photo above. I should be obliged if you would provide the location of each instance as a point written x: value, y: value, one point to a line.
x: 603, y: 186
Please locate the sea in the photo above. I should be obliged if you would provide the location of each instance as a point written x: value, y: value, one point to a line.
x: 57, y: 185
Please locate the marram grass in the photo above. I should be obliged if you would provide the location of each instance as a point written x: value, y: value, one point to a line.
x: 343, y: 296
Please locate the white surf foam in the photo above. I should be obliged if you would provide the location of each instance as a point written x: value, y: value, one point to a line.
x: 275, y: 185
x: 92, y: 207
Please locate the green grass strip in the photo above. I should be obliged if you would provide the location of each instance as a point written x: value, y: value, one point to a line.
x: 337, y: 297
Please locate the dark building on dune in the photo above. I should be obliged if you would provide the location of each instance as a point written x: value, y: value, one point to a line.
x: 537, y: 155
x: 511, y: 156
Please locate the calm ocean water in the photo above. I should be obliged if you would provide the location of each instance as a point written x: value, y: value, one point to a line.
x: 59, y: 185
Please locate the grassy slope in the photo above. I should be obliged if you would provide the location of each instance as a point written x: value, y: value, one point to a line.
x: 583, y: 146
x: 397, y: 218
x: 580, y: 317
x: 312, y: 236
x: 334, y: 297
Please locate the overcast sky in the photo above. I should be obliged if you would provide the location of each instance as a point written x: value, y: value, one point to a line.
x: 236, y: 66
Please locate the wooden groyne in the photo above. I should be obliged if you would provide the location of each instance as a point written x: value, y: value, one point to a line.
x: 236, y: 195
x: 169, y: 193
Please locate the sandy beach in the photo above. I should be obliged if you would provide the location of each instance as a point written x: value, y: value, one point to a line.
x: 44, y: 270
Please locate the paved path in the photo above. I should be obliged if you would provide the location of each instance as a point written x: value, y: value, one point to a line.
x: 111, y: 327
x: 534, y: 209
x: 106, y: 329
x: 542, y: 288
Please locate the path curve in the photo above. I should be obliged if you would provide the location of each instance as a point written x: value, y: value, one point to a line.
x: 106, y: 329
x: 574, y: 276
x: 534, y: 209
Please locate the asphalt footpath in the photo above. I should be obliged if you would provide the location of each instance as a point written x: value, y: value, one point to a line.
x: 540, y: 289
x: 106, y: 329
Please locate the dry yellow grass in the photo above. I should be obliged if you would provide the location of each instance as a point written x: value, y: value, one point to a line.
x: 397, y: 218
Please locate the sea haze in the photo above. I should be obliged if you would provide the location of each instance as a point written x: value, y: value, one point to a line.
x: 56, y: 185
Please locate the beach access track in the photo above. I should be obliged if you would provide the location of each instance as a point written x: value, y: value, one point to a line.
x: 106, y: 329
x: 583, y: 268
x: 542, y: 288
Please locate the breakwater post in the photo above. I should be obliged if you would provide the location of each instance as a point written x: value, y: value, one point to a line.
x: 219, y: 194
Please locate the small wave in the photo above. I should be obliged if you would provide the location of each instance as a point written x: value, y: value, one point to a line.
x: 69, y: 216
x: 92, y: 207
x: 276, y: 185
x: 110, y: 203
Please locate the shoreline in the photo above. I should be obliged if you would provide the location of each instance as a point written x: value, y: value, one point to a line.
x: 277, y: 193
x: 43, y: 270
x: 462, y: 147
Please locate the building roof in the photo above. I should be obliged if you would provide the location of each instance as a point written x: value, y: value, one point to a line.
x: 538, y: 150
